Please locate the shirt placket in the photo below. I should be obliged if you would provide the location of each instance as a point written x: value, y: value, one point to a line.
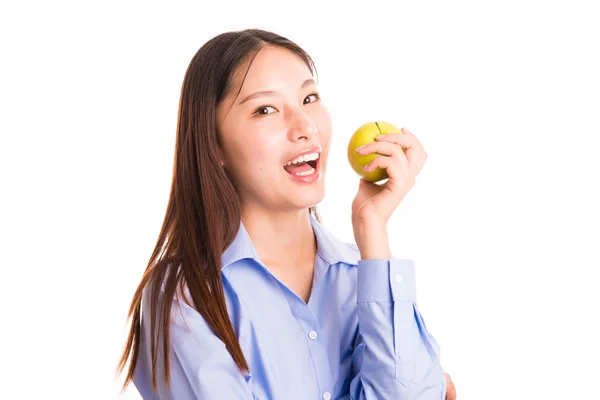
x: 316, y: 344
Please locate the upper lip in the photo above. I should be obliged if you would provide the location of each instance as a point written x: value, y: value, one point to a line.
x: 313, y: 149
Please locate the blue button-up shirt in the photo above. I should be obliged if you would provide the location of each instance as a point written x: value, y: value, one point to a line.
x: 360, y: 336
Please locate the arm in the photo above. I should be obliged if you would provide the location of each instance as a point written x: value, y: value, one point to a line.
x: 395, y: 357
x: 201, y: 367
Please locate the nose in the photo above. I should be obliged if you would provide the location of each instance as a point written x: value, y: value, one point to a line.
x: 303, y: 127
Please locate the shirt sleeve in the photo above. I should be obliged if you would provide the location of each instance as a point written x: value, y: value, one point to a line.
x: 200, y: 365
x: 394, y: 357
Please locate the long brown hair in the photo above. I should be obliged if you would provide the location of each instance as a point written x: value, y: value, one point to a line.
x: 203, y: 212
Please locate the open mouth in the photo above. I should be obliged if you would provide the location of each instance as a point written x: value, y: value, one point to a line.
x: 303, y: 166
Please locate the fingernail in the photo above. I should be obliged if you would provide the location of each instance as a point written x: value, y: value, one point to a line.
x: 380, y: 136
x: 359, y: 148
x: 365, y: 168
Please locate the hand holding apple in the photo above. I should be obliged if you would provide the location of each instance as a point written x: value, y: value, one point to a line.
x: 366, y: 134
x: 402, y: 157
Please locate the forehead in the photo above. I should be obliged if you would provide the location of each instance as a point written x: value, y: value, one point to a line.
x: 273, y: 68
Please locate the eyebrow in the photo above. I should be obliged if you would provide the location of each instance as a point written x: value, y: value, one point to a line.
x: 272, y: 92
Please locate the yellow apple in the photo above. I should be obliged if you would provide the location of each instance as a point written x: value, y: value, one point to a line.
x: 365, y: 135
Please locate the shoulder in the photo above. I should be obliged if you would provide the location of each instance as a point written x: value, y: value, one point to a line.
x: 165, y: 285
x: 170, y: 289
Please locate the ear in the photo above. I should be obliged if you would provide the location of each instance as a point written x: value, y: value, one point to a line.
x: 221, y: 156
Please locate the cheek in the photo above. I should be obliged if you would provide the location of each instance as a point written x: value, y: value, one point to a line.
x: 255, y: 158
x: 259, y: 161
x: 324, y: 126
x: 323, y: 121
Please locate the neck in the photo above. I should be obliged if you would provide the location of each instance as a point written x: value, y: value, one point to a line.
x: 281, y: 238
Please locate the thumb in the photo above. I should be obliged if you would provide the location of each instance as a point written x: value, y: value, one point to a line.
x: 362, y: 183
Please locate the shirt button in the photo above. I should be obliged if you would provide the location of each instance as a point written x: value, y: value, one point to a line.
x: 326, y: 396
x: 313, y: 335
x: 399, y: 278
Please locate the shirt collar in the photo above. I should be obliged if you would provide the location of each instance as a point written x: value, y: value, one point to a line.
x: 329, y: 247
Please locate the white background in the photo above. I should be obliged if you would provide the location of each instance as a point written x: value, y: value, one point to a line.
x: 503, y: 222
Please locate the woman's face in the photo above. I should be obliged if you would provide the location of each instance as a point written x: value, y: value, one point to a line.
x: 262, y: 132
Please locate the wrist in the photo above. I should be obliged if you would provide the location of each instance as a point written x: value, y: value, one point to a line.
x: 372, y: 241
x: 382, y: 253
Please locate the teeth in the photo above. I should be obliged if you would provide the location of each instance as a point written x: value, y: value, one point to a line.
x: 305, y: 172
x: 304, y: 158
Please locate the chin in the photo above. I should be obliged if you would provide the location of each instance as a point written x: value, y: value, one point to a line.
x: 309, y: 197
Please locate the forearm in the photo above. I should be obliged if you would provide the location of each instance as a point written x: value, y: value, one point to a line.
x: 398, y: 357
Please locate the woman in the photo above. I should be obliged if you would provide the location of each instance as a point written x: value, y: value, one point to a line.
x: 247, y: 295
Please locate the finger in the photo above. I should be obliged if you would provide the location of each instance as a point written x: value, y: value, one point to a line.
x: 415, y: 153
x: 407, y: 140
x: 387, y: 149
x: 451, y: 393
x: 396, y: 173
x: 401, y: 137
x: 450, y: 388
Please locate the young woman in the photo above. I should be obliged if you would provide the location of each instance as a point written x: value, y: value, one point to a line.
x: 247, y: 295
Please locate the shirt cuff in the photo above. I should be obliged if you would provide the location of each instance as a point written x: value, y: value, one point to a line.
x: 386, y: 280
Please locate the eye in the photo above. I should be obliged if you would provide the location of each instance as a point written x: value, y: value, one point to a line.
x: 317, y: 97
x: 260, y: 109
